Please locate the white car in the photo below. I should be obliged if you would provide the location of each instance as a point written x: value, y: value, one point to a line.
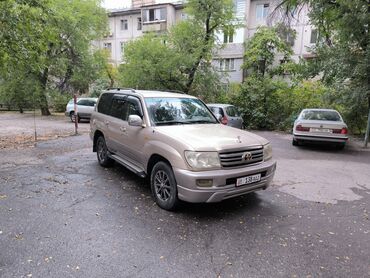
x: 320, y: 125
x: 85, y: 106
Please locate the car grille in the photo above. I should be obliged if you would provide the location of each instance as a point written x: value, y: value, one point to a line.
x: 241, y: 157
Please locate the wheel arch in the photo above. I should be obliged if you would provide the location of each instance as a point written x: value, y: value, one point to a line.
x: 154, y: 158
x: 97, y: 134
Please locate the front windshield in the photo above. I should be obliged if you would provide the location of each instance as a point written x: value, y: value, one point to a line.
x: 320, y: 115
x: 171, y: 111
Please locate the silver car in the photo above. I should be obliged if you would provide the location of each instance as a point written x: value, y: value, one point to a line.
x: 227, y: 114
x: 320, y: 125
x: 85, y: 106
x: 175, y: 141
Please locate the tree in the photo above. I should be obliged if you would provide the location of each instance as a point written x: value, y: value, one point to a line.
x: 180, y: 59
x: 150, y: 63
x: 265, y: 77
x: 49, y: 41
x: 343, y: 50
x: 261, y: 51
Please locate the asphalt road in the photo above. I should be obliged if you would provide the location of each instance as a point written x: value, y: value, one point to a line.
x: 62, y: 215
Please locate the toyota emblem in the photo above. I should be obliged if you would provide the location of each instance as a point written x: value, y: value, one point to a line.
x: 247, y: 156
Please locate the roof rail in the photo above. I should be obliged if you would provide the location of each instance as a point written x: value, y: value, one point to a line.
x: 118, y: 89
x: 176, y: 91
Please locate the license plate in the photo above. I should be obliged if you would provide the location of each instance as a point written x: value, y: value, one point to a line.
x: 324, y: 130
x: 248, y: 180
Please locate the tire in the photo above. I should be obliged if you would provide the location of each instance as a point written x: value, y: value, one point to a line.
x: 164, y: 186
x: 102, y: 153
x: 295, y: 142
x: 341, y: 146
x: 72, y: 116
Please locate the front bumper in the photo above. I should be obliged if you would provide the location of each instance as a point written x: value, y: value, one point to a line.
x: 223, y: 182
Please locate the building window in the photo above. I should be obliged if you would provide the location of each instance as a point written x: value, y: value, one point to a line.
x: 184, y: 16
x: 262, y: 11
x: 124, y: 24
x: 290, y: 39
x: 227, y: 64
x: 314, y: 36
x: 228, y: 36
x: 139, y: 25
x: 108, y: 46
x: 150, y: 15
x: 122, y: 48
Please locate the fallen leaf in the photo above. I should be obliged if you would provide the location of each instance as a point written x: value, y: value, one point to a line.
x: 161, y: 257
x: 331, y: 233
x: 4, y: 197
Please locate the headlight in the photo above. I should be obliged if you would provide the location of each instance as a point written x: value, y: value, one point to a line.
x: 202, y: 160
x: 267, y: 152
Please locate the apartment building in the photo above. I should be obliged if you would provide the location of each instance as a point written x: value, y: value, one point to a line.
x: 159, y: 15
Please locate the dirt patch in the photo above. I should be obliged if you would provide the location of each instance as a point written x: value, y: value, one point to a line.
x: 19, y: 130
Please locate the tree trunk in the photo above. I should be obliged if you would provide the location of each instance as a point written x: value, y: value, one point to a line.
x: 43, y: 100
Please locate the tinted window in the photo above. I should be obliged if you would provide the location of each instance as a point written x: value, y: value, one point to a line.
x: 91, y: 102
x: 83, y: 102
x: 118, y: 108
x: 135, y: 106
x: 232, y: 111
x: 320, y: 115
x: 217, y: 111
x: 104, y: 103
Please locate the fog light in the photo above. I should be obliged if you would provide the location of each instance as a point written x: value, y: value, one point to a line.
x: 204, y: 183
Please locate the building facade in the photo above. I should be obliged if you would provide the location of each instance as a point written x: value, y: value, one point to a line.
x: 159, y: 15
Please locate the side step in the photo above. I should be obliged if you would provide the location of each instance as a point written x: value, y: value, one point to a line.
x: 128, y: 165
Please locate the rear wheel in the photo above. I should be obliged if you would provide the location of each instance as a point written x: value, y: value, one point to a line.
x: 103, y: 153
x: 73, y: 117
x: 164, y: 186
x: 341, y: 146
x: 295, y: 142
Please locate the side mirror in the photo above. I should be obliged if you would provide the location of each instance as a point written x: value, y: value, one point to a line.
x: 135, y: 120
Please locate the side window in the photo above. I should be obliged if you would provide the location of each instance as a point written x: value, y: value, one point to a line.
x: 104, y: 103
x: 118, y: 108
x: 134, y: 106
x: 83, y: 102
x: 217, y: 111
x: 91, y: 103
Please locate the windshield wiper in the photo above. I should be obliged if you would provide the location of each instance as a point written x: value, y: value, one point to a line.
x: 202, y: 122
x: 172, y: 123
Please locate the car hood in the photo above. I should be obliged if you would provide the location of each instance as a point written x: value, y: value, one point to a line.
x: 211, y: 137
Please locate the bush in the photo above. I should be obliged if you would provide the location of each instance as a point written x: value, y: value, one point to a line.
x: 274, y: 104
x: 59, y: 101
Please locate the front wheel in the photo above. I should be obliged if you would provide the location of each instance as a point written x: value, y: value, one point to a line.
x: 102, y: 153
x: 164, y: 186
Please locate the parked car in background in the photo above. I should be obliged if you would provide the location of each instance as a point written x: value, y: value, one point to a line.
x: 178, y: 143
x: 320, y: 125
x: 227, y: 114
x: 85, y: 106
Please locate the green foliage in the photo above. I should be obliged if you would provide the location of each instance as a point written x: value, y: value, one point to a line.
x: 342, y: 53
x: 58, y: 101
x: 48, y: 42
x: 261, y: 51
x: 181, y: 59
x: 268, y: 103
x: 151, y: 64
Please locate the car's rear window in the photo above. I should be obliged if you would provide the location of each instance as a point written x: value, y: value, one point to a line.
x: 318, y: 115
x: 232, y: 111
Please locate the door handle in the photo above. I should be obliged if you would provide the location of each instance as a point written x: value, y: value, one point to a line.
x: 123, y: 129
x: 106, y: 123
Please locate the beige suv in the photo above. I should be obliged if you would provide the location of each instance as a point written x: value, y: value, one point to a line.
x: 176, y: 141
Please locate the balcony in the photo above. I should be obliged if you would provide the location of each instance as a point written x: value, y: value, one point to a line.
x: 155, y: 26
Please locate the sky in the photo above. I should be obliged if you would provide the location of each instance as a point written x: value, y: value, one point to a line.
x: 115, y: 4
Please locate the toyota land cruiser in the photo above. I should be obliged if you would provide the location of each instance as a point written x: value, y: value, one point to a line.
x: 176, y: 141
